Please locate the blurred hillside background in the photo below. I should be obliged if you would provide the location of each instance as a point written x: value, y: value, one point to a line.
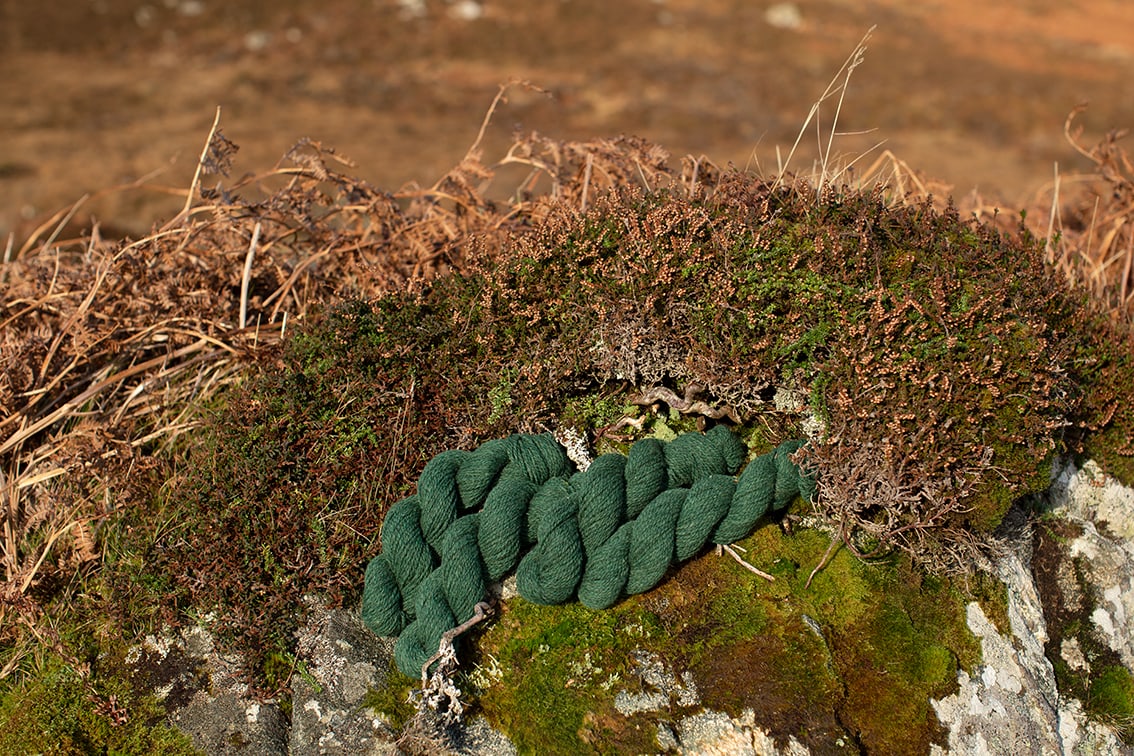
x: 99, y: 93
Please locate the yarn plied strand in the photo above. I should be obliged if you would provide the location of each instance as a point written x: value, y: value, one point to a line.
x: 517, y: 503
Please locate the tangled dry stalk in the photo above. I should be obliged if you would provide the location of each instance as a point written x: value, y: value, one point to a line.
x: 1090, y: 231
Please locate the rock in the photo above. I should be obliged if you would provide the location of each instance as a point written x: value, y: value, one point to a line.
x: 1089, y: 494
x: 1108, y: 567
x: 342, y: 661
x: 1097, y: 575
x: 476, y: 737
x: 661, y: 687
x: 711, y: 732
x: 466, y: 10
x: 205, y: 697
x: 1011, y: 703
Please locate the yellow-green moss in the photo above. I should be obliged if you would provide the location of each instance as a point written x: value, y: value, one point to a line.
x: 1111, y: 698
x: 857, y: 655
x: 392, y: 699
x: 551, y: 673
x: 54, y: 712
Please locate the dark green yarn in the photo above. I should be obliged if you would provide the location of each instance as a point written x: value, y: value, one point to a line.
x: 517, y: 504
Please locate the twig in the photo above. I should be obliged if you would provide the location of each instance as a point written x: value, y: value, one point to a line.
x: 55, y: 535
x: 686, y: 405
x: 480, y: 612
x: 247, y: 276
x: 823, y: 562
x: 66, y: 219
x: 838, y: 110
x: 53, y: 220
x: 66, y: 408
x: 7, y: 256
x: 1126, y: 271
x: 746, y: 565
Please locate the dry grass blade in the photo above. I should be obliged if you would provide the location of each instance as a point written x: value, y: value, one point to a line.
x: 196, y: 182
x: 246, y: 276
x: 844, y: 73
x: 1093, y: 224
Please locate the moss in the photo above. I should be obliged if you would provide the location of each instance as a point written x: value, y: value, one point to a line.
x: 1111, y: 449
x: 54, y: 712
x: 392, y: 699
x: 992, y: 596
x: 737, y: 291
x: 974, y: 351
x: 893, y: 635
x: 812, y: 662
x: 552, y: 673
x: 1111, y: 698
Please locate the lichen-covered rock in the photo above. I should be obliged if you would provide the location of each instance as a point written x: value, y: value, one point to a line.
x: 1064, y: 672
x: 342, y: 661
x: 1103, y: 552
x: 710, y: 733
x: 1084, y: 571
x: 205, y: 696
x: 1011, y: 703
x: 1087, y: 493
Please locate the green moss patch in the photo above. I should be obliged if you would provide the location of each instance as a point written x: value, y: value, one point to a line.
x: 57, y: 713
x: 550, y: 675
x: 1111, y: 697
x: 392, y: 700
x: 856, y: 656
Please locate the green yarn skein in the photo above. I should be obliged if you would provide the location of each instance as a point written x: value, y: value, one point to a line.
x: 598, y: 535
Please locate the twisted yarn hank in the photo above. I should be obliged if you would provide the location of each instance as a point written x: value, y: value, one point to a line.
x: 598, y: 535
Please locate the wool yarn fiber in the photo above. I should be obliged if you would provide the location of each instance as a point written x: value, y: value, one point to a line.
x: 517, y: 503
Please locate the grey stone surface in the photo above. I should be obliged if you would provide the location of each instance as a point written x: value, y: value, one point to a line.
x: 476, y: 737
x: 1086, y: 493
x: 342, y: 661
x: 1011, y: 704
x: 218, y: 714
x: 1104, y: 511
x: 710, y: 733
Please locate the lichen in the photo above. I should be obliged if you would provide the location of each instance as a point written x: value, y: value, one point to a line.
x: 1095, y: 675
